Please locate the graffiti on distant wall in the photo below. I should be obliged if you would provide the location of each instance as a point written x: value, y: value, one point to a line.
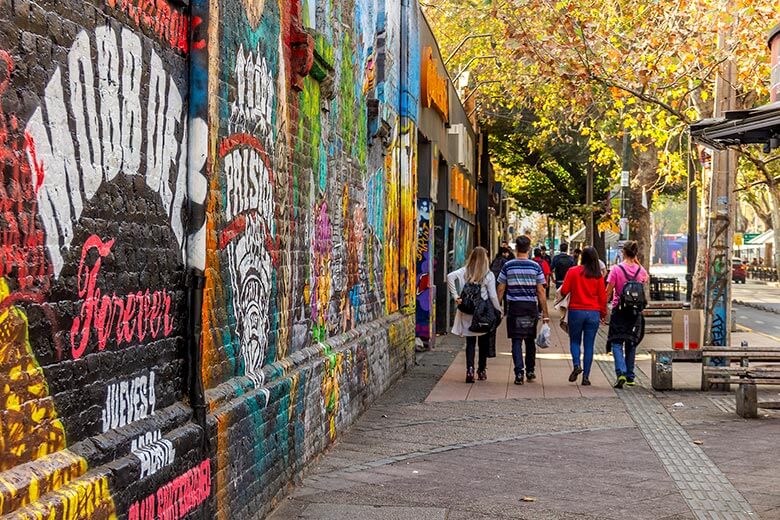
x: 424, y: 310
x: 461, y: 241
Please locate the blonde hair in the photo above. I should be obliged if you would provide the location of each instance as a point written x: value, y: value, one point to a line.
x: 477, y: 265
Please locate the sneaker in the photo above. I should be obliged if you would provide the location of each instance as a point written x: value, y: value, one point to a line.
x: 482, y: 375
x: 574, y: 373
x: 470, y: 375
x: 585, y: 381
x: 621, y: 380
x: 531, y: 376
x: 519, y: 379
x: 630, y: 382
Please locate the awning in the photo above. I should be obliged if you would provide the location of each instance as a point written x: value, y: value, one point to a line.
x: 610, y: 237
x: 755, y: 126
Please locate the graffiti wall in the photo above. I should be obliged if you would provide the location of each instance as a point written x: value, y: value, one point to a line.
x: 209, y: 245
x: 425, y: 258
x: 95, y: 227
x: 310, y: 228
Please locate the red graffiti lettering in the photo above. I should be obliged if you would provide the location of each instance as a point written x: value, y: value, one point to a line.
x: 177, y: 498
x: 171, y: 25
x: 128, y: 319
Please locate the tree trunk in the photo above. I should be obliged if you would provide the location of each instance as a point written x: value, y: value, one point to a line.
x: 774, y: 195
x: 645, y: 176
x: 700, y: 274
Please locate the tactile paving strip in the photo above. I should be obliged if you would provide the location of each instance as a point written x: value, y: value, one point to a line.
x: 705, y: 488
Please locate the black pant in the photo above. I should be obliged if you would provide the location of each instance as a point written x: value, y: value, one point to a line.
x: 471, y: 344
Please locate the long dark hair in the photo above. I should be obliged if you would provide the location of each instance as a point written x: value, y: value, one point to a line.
x: 589, y: 260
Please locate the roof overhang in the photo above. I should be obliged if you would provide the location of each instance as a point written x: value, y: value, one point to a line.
x: 756, y: 126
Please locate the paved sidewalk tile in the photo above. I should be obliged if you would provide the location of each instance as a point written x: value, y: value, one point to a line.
x: 553, y: 366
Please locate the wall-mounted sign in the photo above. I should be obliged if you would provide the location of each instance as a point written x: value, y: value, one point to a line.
x: 434, y: 86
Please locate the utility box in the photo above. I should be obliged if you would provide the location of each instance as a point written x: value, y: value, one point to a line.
x: 687, y: 329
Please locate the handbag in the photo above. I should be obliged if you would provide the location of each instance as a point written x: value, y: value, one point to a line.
x: 562, y: 304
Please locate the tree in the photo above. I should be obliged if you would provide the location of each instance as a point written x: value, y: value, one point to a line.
x: 547, y: 172
x: 643, y: 66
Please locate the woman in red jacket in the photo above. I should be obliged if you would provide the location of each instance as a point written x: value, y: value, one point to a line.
x: 587, y: 307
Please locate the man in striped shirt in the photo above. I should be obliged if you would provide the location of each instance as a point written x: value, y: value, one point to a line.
x: 523, y: 281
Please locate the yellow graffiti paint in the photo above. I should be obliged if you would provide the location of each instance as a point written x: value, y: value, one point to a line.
x: 39, y: 478
x: 331, y: 388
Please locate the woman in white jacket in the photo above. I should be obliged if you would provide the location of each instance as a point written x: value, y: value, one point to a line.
x: 476, y: 271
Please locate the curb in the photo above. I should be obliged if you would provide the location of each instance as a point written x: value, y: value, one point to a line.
x: 757, y: 306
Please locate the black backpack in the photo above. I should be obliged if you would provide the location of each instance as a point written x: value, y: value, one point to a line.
x: 470, y: 297
x: 632, y: 296
x: 485, y: 317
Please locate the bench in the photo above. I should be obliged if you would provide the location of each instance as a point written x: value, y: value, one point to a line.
x: 661, y: 365
x: 744, y: 375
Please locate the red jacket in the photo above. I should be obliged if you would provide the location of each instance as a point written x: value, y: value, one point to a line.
x: 544, y: 265
x: 587, y: 294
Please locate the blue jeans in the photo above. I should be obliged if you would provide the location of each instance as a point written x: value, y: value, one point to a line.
x: 583, y: 326
x: 530, y: 355
x: 624, y: 361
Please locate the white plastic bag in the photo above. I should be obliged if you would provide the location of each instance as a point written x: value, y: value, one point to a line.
x: 543, y: 339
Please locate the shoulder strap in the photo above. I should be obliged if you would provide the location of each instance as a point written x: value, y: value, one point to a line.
x: 631, y: 278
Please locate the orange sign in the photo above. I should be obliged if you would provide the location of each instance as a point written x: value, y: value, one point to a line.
x: 434, y: 86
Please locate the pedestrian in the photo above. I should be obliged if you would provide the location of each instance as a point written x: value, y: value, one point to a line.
x: 587, y: 308
x: 561, y: 264
x: 539, y: 259
x: 545, y: 255
x: 626, y: 324
x: 504, y: 255
x: 576, y: 255
x: 475, y: 271
x: 522, y: 280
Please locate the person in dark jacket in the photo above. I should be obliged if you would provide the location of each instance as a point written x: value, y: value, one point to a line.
x: 504, y: 255
x: 561, y: 263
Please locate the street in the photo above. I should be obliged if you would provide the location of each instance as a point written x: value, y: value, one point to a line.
x: 750, y: 300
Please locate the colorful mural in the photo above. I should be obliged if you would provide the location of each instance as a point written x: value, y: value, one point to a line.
x: 424, y: 258
x: 208, y: 230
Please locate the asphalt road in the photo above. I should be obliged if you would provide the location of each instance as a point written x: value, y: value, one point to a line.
x: 758, y: 320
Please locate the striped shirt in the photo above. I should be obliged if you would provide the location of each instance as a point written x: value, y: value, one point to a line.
x: 521, y: 277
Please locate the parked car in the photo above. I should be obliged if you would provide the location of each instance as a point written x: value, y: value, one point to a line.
x: 738, y: 270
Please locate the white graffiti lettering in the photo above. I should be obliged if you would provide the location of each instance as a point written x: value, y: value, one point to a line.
x: 106, y: 124
x: 249, y: 186
x: 153, y: 451
x: 129, y: 401
x: 252, y: 109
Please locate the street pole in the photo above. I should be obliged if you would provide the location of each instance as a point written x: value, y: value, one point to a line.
x: 720, y: 229
x: 693, y: 225
x: 625, y: 185
x: 589, y: 202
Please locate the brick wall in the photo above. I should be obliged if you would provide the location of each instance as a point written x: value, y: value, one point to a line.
x: 208, y: 245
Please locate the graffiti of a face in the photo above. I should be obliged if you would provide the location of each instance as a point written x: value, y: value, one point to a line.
x: 250, y: 278
x: 249, y: 207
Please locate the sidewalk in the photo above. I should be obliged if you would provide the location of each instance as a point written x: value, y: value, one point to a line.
x: 553, y: 366
x: 549, y: 449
